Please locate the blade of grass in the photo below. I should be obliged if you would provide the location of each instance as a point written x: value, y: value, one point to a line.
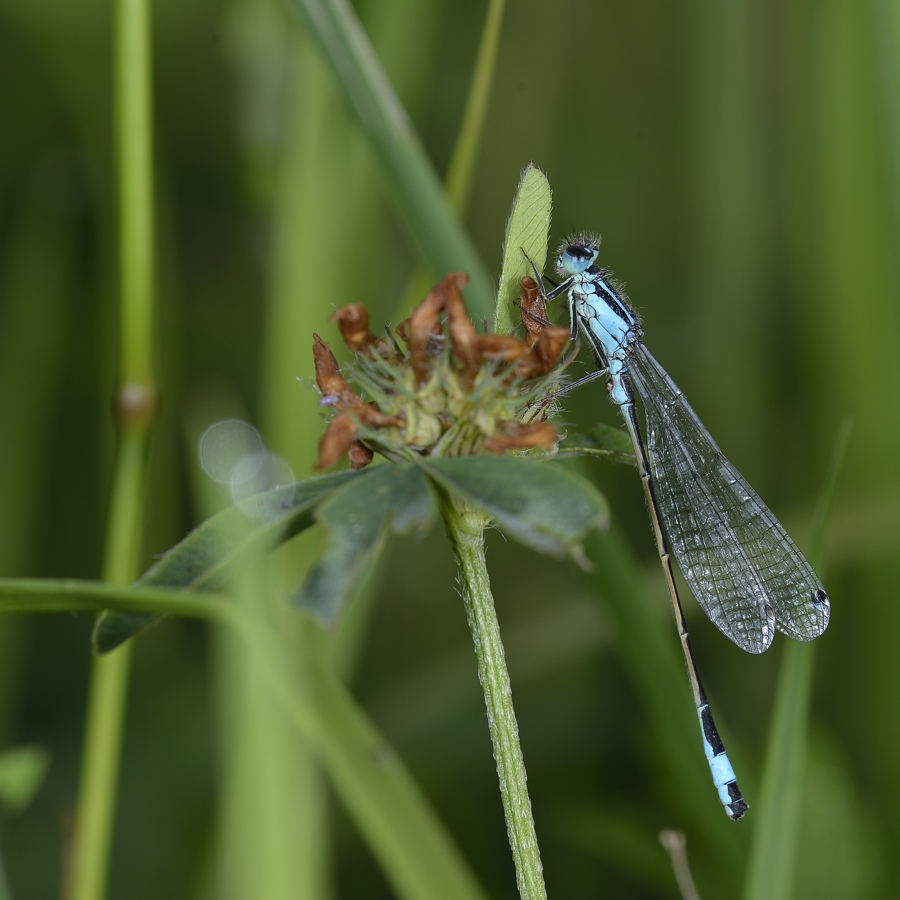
x: 461, y: 171
x: 408, y: 173
x: 773, y: 857
x: 772, y: 867
x: 410, y: 842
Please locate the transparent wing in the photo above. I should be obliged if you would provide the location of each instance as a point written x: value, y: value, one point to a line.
x: 739, y: 562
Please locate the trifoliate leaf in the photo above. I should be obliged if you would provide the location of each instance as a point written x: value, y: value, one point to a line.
x: 542, y: 505
x: 205, y: 557
x: 356, y: 520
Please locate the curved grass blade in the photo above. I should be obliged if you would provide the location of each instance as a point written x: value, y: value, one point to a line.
x: 409, y: 175
x: 461, y: 171
x: 773, y: 856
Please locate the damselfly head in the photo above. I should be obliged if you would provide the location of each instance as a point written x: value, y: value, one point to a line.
x: 577, y: 254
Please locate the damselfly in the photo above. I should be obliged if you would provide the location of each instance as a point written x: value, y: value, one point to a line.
x: 744, y: 569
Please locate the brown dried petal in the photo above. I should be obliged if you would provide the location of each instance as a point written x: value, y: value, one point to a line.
x: 549, y: 344
x: 369, y: 414
x: 336, y: 441
x: 534, y: 309
x: 424, y: 326
x: 328, y: 373
x: 360, y: 455
x: 503, y: 347
x: 463, y: 338
x: 519, y: 436
x: 402, y: 330
x: 353, y: 322
x: 333, y: 384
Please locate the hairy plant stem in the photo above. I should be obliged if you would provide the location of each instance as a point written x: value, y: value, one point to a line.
x: 465, y: 528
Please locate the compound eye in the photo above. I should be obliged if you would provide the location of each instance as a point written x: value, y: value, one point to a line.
x: 578, y: 255
x: 579, y: 252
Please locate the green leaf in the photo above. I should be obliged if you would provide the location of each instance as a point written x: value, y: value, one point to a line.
x: 603, y: 441
x: 544, y: 506
x: 356, y: 520
x: 22, y: 772
x: 206, y: 556
x: 526, y: 229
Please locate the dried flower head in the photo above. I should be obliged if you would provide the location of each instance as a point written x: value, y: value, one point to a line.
x: 451, y: 392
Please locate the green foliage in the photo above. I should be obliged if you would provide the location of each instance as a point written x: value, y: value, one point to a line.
x: 543, y: 506
x: 525, y: 242
x: 356, y: 520
x: 215, y: 551
x: 740, y: 161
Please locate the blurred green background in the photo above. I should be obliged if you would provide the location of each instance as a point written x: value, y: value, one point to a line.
x: 742, y: 162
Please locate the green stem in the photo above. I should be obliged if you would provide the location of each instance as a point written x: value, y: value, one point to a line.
x: 99, y: 775
x: 70, y: 596
x: 465, y: 528
x: 461, y: 171
x: 135, y: 410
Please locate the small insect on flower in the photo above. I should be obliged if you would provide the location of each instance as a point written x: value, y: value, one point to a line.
x: 450, y: 392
